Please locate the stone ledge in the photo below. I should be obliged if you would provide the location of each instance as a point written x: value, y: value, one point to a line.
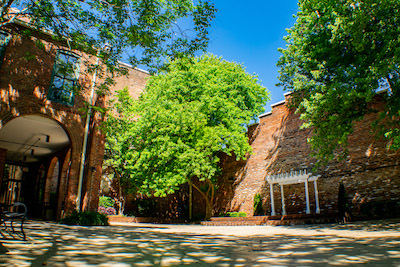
x: 127, y: 219
x: 292, y: 219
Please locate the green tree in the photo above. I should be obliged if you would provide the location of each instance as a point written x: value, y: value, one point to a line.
x: 119, y: 131
x: 190, y: 113
x: 144, y: 31
x: 338, y: 55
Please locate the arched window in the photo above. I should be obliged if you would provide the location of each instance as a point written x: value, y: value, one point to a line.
x: 65, y: 76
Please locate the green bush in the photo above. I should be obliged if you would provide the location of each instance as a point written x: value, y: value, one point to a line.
x: 234, y: 214
x: 106, y: 202
x: 258, y: 209
x: 238, y: 214
x: 146, y: 208
x: 85, y: 218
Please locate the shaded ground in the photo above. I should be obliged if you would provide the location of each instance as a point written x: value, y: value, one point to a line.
x: 372, y: 243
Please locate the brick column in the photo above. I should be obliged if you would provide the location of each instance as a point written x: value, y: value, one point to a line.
x: 3, y: 155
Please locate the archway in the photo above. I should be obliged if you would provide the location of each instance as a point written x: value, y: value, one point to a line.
x: 32, y: 146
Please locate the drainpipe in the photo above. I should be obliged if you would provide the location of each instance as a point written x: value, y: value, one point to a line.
x: 85, y: 138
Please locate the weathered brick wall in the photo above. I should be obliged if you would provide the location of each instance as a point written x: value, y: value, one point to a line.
x: 370, y: 173
x: 3, y: 155
x: 135, y: 81
x: 25, y: 77
x: 63, y: 159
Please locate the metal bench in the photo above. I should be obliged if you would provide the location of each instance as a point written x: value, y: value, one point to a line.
x: 17, y: 212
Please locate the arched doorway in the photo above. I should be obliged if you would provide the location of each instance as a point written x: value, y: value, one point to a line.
x: 34, y: 147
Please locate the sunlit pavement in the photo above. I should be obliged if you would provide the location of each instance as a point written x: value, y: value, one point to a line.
x: 375, y: 243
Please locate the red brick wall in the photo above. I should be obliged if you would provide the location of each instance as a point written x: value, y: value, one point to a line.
x: 371, y: 172
x: 3, y: 155
x: 25, y: 77
x: 135, y: 81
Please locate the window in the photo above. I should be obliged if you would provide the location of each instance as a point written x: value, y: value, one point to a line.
x: 65, y: 76
x: 4, y: 39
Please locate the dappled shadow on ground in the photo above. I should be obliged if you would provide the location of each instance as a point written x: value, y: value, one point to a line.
x: 58, y: 245
x: 369, y: 226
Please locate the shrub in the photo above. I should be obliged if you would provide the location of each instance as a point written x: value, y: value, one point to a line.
x: 106, y: 202
x: 234, y: 214
x: 85, y: 218
x: 101, y: 210
x: 146, y: 208
x: 258, y: 209
x: 111, y: 211
x: 238, y: 214
x: 107, y: 211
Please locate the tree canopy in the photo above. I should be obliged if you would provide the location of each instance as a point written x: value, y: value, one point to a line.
x: 339, y: 54
x: 187, y: 115
x: 144, y: 32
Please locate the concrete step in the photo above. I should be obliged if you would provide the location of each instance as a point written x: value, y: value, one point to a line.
x: 293, y: 219
x: 254, y: 218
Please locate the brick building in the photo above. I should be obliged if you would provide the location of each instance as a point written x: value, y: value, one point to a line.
x: 370, y: 174
x: 42, y: 122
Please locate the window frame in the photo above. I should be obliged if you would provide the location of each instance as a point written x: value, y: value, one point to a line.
x: 56, y: 74
x: 4, y: 45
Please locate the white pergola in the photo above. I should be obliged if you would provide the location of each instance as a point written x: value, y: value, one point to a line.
x: 293, y: 177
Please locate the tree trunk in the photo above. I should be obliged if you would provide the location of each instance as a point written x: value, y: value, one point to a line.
x: 209, y: 198
x: 208, y: 209
x: 121, y: 205
x: 120, y: 198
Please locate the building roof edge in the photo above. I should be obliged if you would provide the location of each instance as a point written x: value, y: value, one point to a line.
x: 265, y: 114
x: 278, y: 103
x: 131, y: 67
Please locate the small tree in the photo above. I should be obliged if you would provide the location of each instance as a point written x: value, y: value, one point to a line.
x: 119, y: 131
x: 257, y: 205
x: 192, y: 111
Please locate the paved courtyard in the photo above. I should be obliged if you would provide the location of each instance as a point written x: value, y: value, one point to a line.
x: 375, y: 243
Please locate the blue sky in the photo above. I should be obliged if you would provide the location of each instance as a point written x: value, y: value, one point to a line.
x: 250, y: 32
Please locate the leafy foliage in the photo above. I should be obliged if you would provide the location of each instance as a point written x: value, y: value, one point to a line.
x: 146, y: 208
x: 144, y: 31
x: 257, y: 205
x: 85, y: 218
x: 188, y: 114
x: 119, y: 131
x: 106, y: 202
x: 234, y: 214
x: 338, y: 55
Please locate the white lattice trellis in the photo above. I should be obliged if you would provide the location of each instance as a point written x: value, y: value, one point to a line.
x: 293, y: 177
